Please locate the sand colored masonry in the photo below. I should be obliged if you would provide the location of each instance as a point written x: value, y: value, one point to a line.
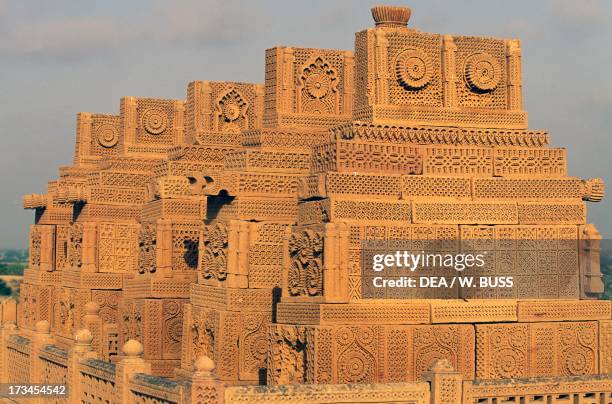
x: 218, y: 238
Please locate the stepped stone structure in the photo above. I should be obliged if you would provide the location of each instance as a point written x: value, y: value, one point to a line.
x: 230, y: 227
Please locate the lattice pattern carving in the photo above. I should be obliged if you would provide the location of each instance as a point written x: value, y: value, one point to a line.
x: 536, y: 350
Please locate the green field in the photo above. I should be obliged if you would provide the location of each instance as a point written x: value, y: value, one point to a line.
x: 12, y: 263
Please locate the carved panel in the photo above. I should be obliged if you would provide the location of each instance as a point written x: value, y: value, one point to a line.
x: 536, y: 350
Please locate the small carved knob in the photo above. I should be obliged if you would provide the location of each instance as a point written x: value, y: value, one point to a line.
x: 391, y: 16
x: 92, y: 308
x: 83, y: 337
x: 43, y: 327
x: 132, y: 348
x: 204, y: 364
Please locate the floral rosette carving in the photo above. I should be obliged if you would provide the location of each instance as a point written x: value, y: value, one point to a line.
x: 319, y: 78
x: 147, y: 245
x: 319, y: 82
x: 287, y: 356
x: 154, y: 121
x: 232, y: 110
x: 414, y: 69
x: 107, y: 135
x: 215, y: 253
x: 305, y: 276
x: 482, y: 72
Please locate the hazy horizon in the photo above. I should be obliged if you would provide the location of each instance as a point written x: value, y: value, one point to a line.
x: 62, y: 57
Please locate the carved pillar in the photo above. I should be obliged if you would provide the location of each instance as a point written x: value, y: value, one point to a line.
x: 164, y: 248
x: 6, y: 330
x: 591, y: 283
x: 445, y: 383
x: 47, y: 248
x: 349, y: 82
x: 285, y: 104
x: 232, y: 252
x: 201, y: 386
x: 335, y: 268
x: 241, y: 279
x: 128, y: 117
x: 205, y: 105
x: 93, y: 322
x: 449, y: 84
x: 382, y: 75
x: 83, y: 136
x: 80, y: 350
x: 8, y: 311
x: 514, y: 74
x: 41, y: 338
x: 258, y: 107
x: 89, y: 255
x: 178, y: 121
x: 130, y: 364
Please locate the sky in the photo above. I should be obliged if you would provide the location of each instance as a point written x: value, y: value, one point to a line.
x: 61, y: 57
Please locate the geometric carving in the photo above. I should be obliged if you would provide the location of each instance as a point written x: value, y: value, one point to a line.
x: 154, y: 121
x: 551, y: 213
x: 351, y: 156
x: 605, y: 346
x: 117, y: 243
x: 536, y: 350
x: 367, y: 353
x: 560, y: 310
x: 482, y: 72
x: 531, y: 162
x: 532, y: 188
x: 458, y: 161
x: 414, y: 69
x: 273, y: 223
x: 465, y: 212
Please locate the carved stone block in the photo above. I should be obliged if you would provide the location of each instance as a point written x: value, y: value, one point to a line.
x: 308, y: 87
x: 366, y: 353
x: 536, y: 350
x: 353, y: 156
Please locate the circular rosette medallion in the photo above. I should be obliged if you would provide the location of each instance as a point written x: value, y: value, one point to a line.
x: 414, y: 69
x: 155, y: 121
x: 231, y: 111
x: 318, y: 84
x: 482, y: 72
x: 107, y: 135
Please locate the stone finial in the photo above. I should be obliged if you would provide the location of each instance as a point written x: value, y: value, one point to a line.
x: 83, y: 337
x: 391, y: 16
x: 203, y: 364
x: 43, y: 327
x: 92, y: 308
x: 132, y: 348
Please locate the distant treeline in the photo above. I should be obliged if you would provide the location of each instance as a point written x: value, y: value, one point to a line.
x: 13, y: 255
